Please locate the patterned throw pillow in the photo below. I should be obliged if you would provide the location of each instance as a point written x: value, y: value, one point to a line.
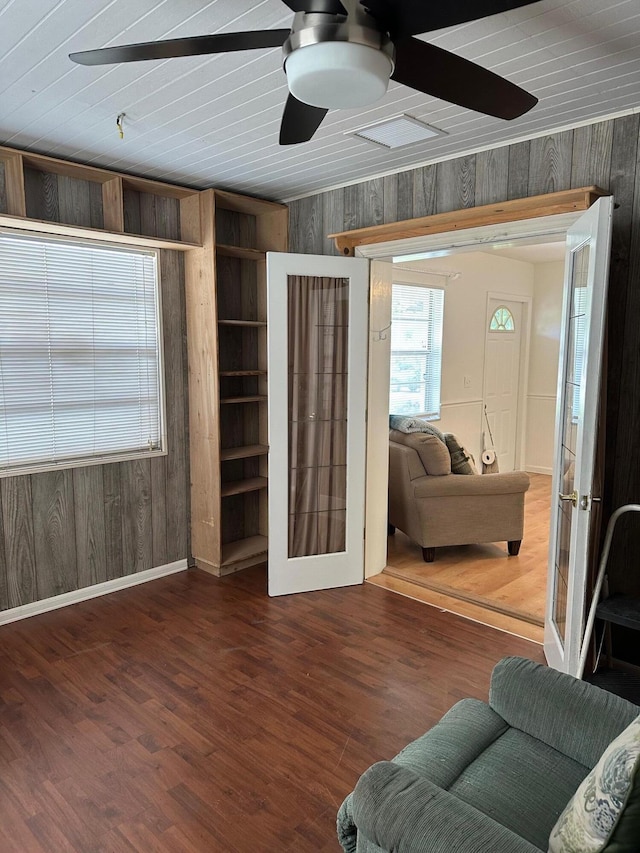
x: 603, y: 816
x: 461, y: 461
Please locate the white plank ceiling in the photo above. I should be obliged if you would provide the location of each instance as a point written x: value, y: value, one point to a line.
x: 214, y: 121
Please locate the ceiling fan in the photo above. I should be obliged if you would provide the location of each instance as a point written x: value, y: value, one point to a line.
x: 342, y: 53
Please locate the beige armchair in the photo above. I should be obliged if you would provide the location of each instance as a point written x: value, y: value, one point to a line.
x: 435, y: 507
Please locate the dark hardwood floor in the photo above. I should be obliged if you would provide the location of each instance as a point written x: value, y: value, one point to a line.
x: 195, y: 714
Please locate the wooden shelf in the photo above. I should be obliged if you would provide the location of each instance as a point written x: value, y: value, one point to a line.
x: 243, y: 373
x: 620, y: 611
x: 244, y: 549
x: 250, y: 450
x: 240, y: 252
x: 254, y: 398
x: 227, y: 308
x: 250, y: 323
x: 240, y: 487
x: 246, y: 204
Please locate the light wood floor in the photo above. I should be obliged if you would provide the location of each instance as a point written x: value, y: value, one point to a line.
x: 481, y: 581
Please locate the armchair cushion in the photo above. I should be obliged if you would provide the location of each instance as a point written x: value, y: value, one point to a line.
x: 433, y: 453
x: 604, y: 813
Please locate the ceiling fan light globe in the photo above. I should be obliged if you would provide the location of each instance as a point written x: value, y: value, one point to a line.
x: 338, y: 75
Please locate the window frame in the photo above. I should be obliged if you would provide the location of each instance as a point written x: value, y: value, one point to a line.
x: 66, y: 234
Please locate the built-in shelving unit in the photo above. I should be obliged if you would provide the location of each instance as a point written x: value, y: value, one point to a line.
x: 226, y: 304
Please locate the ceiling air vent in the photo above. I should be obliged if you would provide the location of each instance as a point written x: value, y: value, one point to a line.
x: 398, y: 132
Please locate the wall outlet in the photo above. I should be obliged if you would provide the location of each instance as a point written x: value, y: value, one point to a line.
x: 467, y: 381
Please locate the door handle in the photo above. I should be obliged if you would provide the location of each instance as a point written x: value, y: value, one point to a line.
x: 573, y: 497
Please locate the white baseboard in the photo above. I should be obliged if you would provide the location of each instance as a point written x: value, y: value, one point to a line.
x: 87, y: 592
x: 538, y: 469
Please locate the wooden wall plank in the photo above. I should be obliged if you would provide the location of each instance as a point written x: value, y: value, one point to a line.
x: 519, y: 161
x: 332, y: 211
x: 41, y: 194
x: 159, y: 515
x: 550, y: 163
x: 55, y: 533
x: 131, y: 205
x: 370, y: 200
x: 406, y: 193
x: 17, y: 514
x: 137, y: 531
x: 4, y: 587
x: 112, y: 492
x: 88, y: 496
x: 492, y: 176
x: 390, y: 193
x: 79, y: 202
x: 591, y: 154
x: 420, y: 195
x: 456, y: 184
x: 624, y: 151
x: 351, y: 217
x: 307, y: 224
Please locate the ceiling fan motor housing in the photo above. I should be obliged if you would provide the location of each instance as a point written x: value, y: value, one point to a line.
x: 336, y: 64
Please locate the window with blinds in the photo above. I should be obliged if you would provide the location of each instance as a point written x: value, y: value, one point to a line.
x: 80, y: 353
x: 416, y: 350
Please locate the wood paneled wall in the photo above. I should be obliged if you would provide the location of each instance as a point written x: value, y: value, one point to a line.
x: 605, y: 154
x: 64, y: 530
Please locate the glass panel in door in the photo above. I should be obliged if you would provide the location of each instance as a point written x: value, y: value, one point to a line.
x: 318, y: 341
x: 575, y: 353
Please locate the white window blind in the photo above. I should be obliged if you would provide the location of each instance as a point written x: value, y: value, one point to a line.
x: 416, y: 350
x: 80, y: 356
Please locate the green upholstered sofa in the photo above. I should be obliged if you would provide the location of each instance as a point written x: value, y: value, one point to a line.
x: 488, y: 778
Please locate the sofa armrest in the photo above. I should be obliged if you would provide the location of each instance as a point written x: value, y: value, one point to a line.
x: 572, y: 716
x: 466, y: 485
x: 401, y: 812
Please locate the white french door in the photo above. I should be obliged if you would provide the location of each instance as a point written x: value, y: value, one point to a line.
x: 586, y: 274
x: 317, y: 320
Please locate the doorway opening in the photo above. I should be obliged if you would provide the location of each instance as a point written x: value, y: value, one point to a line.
x: 527, y: 278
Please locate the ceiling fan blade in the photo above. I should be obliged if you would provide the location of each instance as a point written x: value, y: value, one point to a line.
x: 330, y: 7
x: 300, y: 121
x: 403, y: 18
x: 438, y: 72
x: 192, y: 46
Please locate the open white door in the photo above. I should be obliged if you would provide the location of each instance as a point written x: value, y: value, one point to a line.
x: 586, y: 275
x: 317, y: 332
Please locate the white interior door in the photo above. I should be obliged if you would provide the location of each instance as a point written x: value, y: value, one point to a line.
x: 586, y: 274
x: 502, y: 377
x: 317, y: 349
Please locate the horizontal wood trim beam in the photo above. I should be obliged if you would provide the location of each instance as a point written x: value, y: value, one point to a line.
x: 41, y: 226
x: 551, y: 204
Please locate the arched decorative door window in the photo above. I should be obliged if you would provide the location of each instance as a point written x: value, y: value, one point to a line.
x: 502, y: 320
